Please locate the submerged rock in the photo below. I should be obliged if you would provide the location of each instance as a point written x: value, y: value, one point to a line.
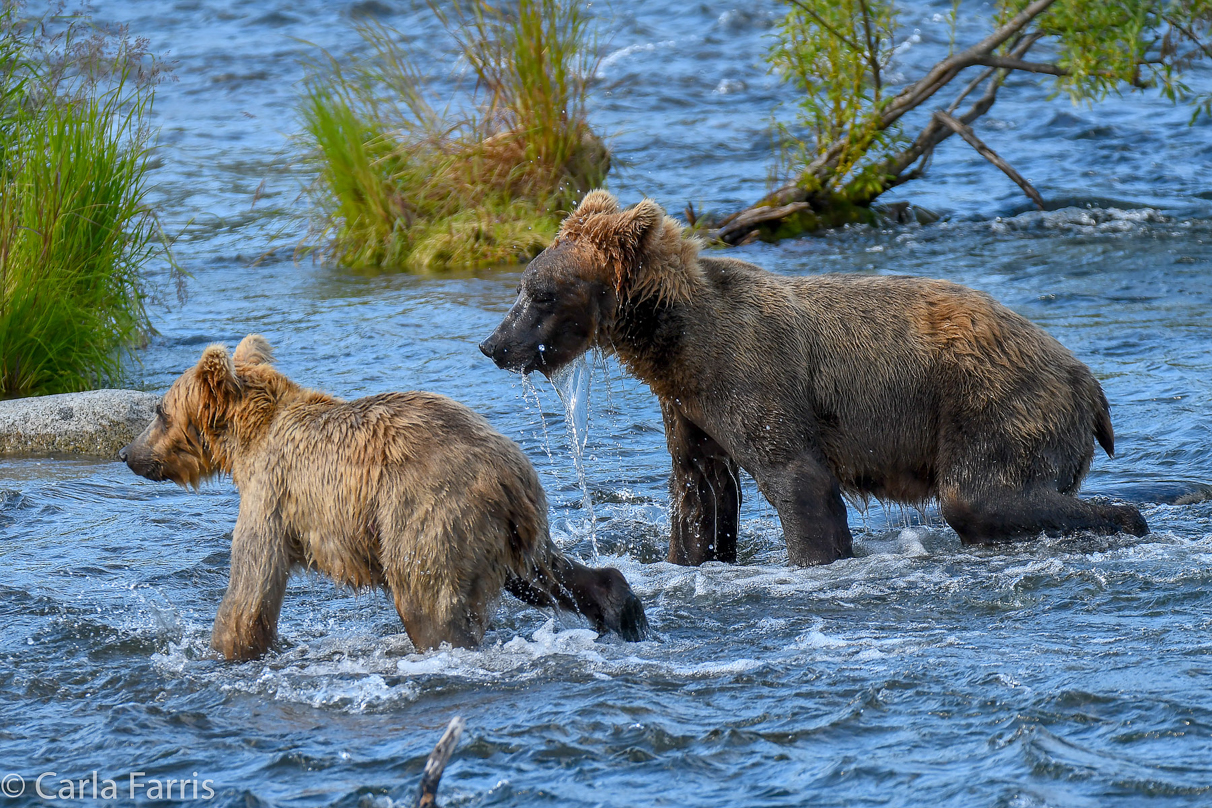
x: 96, y: 422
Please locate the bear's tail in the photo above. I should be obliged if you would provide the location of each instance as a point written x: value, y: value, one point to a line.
x: 1103, y: 432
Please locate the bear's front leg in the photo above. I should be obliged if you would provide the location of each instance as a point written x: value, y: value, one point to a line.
x: 704, y: 494
x: 808, y: 499
x: 247, y: 622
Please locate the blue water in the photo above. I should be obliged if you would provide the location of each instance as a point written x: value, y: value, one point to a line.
x: 1068, y: 672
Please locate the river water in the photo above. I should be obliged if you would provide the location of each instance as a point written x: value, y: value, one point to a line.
x: 1069, y: 672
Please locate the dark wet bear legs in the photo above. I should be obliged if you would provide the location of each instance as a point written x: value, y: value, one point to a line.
x: 704, y: 495
x: 809, y: 501
x: 1006, y: 515
x: 601, y: 594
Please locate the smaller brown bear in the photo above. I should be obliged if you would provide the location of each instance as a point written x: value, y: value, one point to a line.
x: 903, y: 389
x: 410, y: 491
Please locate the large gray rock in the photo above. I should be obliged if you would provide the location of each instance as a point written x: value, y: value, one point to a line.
x: 96, y: 423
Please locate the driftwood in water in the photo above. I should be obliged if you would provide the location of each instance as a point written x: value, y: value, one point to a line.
x: 427, y: 795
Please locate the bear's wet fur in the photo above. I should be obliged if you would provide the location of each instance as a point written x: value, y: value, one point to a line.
x: 409, y: 491
x: 906, y: 389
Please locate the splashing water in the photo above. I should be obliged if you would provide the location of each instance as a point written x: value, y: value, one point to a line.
x: 529, y: 391
x: 571, y: 384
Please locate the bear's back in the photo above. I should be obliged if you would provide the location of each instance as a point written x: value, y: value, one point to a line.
x: 379, y: 468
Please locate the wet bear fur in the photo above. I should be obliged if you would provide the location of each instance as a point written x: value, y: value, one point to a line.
x: 905, y: 389
x: 409, y: 491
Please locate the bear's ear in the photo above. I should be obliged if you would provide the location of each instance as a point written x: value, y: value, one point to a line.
x: 216, y: 375
x: 622, y: 237
x: 634, y: 223
x: 597, y: 201
x: 254, y: 350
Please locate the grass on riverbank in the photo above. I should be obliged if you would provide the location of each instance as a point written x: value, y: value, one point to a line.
x: 75, y: 228
x: 403, y: 185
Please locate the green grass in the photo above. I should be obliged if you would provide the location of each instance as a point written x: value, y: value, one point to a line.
x: 75, y: 229
x: 401, y: 184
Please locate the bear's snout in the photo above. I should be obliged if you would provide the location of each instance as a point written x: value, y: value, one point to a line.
x: 489, y: 348
x: 505, y: 352
x: 123, y: 453
x: 495, y: 349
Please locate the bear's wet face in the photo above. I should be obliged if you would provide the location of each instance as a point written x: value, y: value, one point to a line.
x: 171, y: 447
x: 174, y: 446
x: 556, y: 316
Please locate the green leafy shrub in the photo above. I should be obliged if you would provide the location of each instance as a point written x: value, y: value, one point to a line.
x: 403, y: 185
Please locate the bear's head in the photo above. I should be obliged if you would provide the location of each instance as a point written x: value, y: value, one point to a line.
x: 570, y: 294
x: 186, y: 441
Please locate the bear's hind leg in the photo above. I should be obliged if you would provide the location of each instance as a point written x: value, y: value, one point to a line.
x: 433, y: 618
x: 704, y: 493
x: 602, y: 595
x: 1005, y: 515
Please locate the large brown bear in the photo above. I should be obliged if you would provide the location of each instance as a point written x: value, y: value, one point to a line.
x: 903, y: 389
x: 410, y: 491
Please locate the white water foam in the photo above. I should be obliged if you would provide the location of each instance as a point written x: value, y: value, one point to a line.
x: 336, y: 660
x: 1085, y: 221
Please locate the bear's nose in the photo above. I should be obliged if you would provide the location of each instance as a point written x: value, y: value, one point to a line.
x: 488, y: 348
x: 122, y: 453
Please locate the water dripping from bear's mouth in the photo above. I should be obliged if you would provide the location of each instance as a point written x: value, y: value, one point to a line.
x: 571, y: 383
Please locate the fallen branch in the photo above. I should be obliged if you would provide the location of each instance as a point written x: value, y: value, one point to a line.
x: 427, y: 795
x: 935, y: 79
x: 749, y: 220
x: 968, y: 135
x: 790, y: 197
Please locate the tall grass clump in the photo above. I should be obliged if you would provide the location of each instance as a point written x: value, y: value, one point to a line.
x: 75, y: 228
x: 486, y: 179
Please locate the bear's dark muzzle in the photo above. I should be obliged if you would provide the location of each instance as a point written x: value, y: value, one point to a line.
x: 489, y: 348
x: 495, y: 349
x: 505, y: 356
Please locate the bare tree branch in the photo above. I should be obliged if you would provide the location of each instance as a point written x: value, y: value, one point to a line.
x: 989, y: 154
x: 972, y: 85
x: 427, y: 794
x: 933, y: 134
x: 918, y: 92
x: 1189, y: 34
x: 1018, y: 64
x: 747, y: 221
x: 1018, y: 49
x: 793, y: 198
x: 938, y: 76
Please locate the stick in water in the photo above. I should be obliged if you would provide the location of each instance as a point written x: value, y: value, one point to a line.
x: 428, y: 794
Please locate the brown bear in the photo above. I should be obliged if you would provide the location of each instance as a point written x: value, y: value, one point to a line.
x: 410, y: 491
x: 903, y: 389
